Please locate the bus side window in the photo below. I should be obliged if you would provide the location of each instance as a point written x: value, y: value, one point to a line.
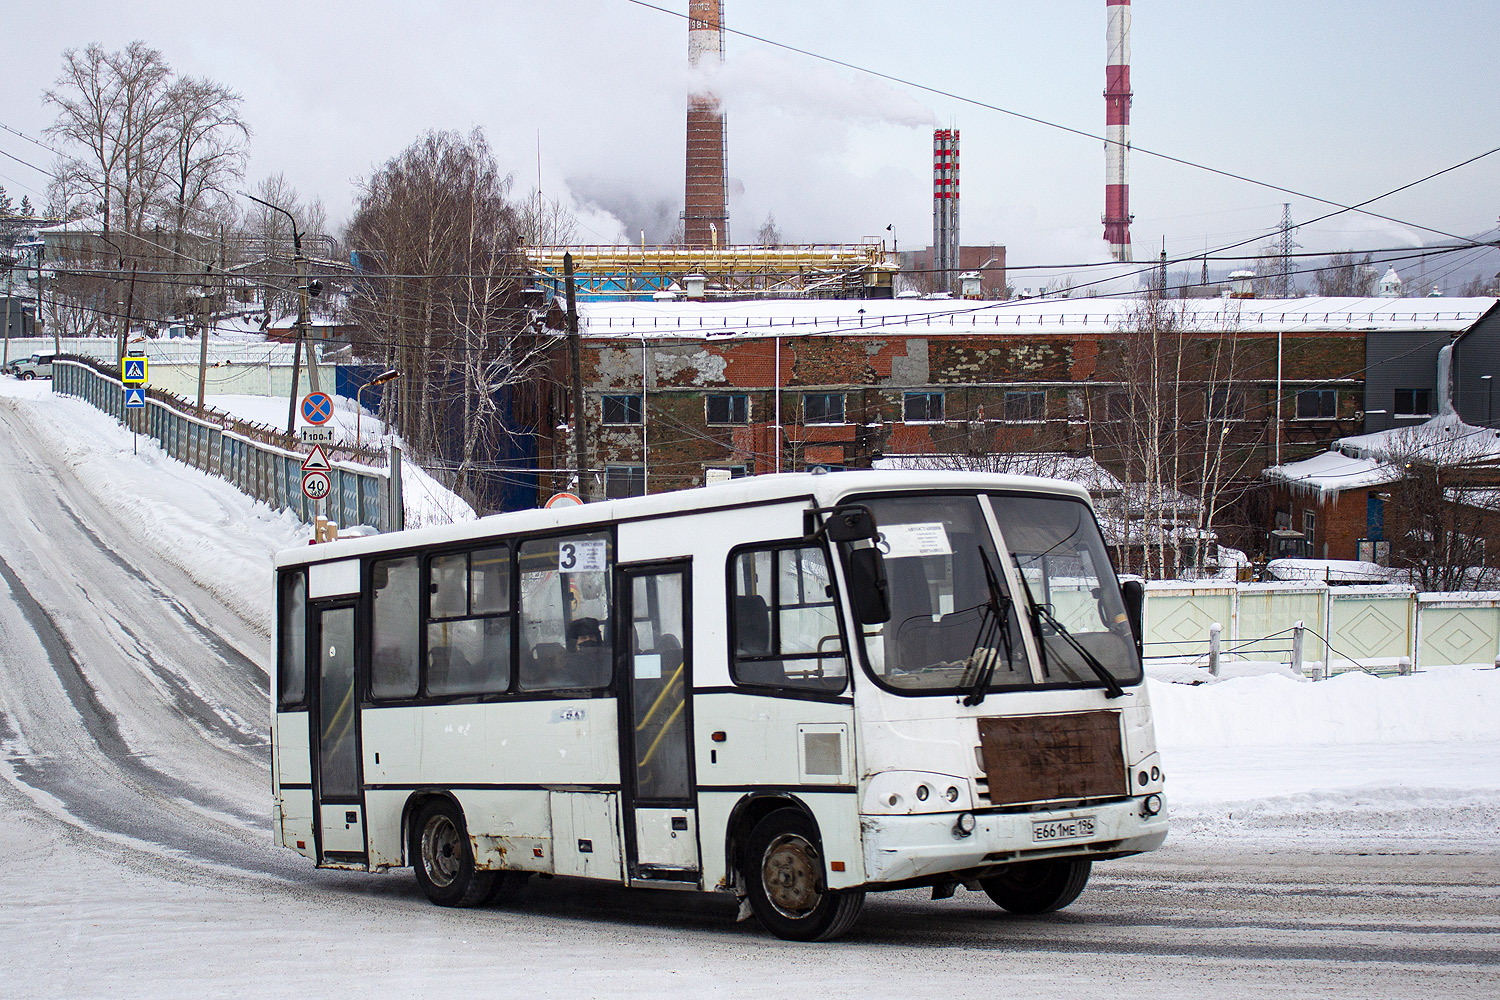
x: 291, y: 641
x: 784, y: 623
x: 469, y: 622
x: 566, y: 611
x: 395, y: 629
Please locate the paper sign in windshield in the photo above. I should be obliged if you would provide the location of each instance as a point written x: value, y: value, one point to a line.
x: 905, y: 541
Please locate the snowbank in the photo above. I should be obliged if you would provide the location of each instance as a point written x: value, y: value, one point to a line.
x: 1270, y: 710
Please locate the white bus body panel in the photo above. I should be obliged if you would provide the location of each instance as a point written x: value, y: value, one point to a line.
x: 586, y: 829
x: 657, y: 842
x: 333, y: 579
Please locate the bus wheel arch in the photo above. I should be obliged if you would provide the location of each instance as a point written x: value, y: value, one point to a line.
x: 747, y: 812
x: 783, y: 874
x: 442, y: 856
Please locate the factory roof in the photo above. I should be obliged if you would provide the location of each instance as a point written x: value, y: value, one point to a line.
x: 936, y: 317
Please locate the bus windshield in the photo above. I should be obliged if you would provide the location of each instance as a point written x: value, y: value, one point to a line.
x: 948, y: 626
x: 1058, y: 553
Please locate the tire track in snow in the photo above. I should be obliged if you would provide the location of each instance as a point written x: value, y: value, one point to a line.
x: 94, y: 806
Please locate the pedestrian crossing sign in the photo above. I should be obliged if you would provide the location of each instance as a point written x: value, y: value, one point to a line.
x: 133, y: 369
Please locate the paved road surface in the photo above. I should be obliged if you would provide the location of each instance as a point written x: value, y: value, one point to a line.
x: 134, y: 821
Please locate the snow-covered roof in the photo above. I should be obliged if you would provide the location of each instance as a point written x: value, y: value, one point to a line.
x: 1332, y: 570
x: 1333, y: 472
x: 928, y: 317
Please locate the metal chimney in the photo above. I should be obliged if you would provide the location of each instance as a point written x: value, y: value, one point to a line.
x: 1117, y: 98
x: 705, y: 206
x: 944, y: 206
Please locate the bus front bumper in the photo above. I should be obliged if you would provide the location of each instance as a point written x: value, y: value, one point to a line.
x: 905, y: 848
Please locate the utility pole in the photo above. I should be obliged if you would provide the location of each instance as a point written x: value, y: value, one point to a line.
x: 202, y: 341
x: 575, y: 362
x: 129, y: 305
x: 301, y: 335
x: 41, y: 323
x: 9, y: 270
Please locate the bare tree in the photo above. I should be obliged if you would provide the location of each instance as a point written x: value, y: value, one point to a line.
x: 1436, y: 537
x: 769, y: 235
x: 209, y: 147
x: 440, y: 300
x: 546, y: 221
x: 1345, y: 275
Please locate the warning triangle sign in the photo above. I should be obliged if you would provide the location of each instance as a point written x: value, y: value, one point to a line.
x: 316, y: 461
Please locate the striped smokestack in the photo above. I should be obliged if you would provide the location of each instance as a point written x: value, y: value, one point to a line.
x: 1117, y: 131
x: 944, y: 207
x: 705, y: 215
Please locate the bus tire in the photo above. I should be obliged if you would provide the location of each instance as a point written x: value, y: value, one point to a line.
x: 785, y: 881
x: 444, y: 860
x: 1033, y: 887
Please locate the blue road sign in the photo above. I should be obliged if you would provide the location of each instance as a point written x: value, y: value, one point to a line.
x: 135, y: 397
x: 133, y: 369
x: 317, y: 407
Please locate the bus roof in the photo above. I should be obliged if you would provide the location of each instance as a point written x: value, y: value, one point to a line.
x: 825, y: 488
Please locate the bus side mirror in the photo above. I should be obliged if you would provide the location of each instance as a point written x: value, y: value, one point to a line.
x: 1134, y: 592
x: 850, y: 523
x: 868, y: 594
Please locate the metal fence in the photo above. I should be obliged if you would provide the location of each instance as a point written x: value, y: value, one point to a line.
x: 1379, y: 629
x: 242, y: 454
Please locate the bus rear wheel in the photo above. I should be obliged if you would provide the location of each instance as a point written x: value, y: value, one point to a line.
x: 444, y: 860
x: 783, y: 870
x: 1038, y: 886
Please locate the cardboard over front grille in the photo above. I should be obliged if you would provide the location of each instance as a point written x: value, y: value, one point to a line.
x: 1036, y: 758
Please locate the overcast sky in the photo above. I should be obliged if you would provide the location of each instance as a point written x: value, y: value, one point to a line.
x: 1341, y: 100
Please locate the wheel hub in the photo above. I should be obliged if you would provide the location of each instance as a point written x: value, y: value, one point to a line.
x: 789, y: 874
x: 439, y: 851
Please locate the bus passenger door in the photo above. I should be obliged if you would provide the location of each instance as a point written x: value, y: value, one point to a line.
x: 656, y: 724
x: 339, y: 815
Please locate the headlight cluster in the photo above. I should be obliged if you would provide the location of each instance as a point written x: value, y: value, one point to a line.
x: 896, y: 793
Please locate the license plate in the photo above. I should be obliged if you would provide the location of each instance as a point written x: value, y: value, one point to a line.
x: 1077, y: 828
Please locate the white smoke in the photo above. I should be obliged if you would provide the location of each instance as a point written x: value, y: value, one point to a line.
x: 772, y: 80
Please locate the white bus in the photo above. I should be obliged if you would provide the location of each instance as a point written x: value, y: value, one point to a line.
x: 794, y: 688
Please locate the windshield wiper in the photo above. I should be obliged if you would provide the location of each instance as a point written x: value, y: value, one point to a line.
x: 1112, y: 686
x: 995, y: 624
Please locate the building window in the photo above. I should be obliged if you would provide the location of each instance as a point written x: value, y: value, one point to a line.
x: 1317, y: 404
x: 729, y: 408
x: 1225, y: 403
x: 621, y: 481
x: 922, y: 407
x: 1025, y: 406
x: 823, y: 407
x: 1413, y: 402
x: 622, y: 409
x: 1309, y: 522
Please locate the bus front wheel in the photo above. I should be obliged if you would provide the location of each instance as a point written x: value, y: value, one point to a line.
x: 783, y: 869
x: 1038, y: 886
x: 443, y: 859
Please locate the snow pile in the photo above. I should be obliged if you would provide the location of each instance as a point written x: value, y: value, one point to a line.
x: 1354, y: 759
x: 1353, y: 708
x: 219, y: 536
x: 427, y: 501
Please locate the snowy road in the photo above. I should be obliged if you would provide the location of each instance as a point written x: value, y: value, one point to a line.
x: 134, y: 824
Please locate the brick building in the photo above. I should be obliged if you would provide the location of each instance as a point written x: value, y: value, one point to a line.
x: 682, y: 393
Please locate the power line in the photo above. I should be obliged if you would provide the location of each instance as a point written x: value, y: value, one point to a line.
x: 1060, y: 127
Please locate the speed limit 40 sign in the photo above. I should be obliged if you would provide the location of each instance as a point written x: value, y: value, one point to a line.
x: 315, y: 485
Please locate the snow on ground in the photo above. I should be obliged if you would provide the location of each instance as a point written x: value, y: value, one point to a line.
x: 217, y: 535
x: 1266, y: 756
x: 427, y: 501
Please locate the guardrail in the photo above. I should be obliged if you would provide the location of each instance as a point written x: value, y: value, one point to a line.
x: 260, y: 461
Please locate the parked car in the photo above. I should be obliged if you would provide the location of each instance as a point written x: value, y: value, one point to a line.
x: 36, y: 366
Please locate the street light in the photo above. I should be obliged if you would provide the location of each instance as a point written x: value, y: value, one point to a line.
x: 359, y: 408
x: 302, y: 293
